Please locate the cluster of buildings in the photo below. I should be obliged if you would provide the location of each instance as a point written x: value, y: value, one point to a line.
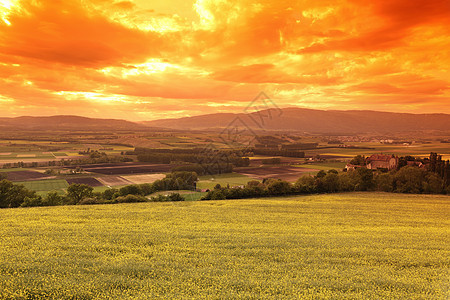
x: 382, y: 161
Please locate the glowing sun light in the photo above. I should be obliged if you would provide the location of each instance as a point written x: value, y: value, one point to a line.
x: 5, y: 9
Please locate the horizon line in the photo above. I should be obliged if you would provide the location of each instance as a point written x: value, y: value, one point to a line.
x: 224, y: 113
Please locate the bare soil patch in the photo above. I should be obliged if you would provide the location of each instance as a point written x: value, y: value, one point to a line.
x: 113, y: 181
x: 145, y: 178
x: 25, y: 175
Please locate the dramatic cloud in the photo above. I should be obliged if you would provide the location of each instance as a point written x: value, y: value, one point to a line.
x: 143, y: 60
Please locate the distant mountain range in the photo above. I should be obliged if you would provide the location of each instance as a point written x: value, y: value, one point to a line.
x: 287, y: 119
x: 314, y: 121
x: 68, y: 123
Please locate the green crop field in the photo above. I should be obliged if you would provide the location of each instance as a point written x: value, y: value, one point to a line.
x: 340, y: 246
x: 45, y: 185
x: 233, y: 179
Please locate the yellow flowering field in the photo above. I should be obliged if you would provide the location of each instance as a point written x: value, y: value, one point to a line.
x: 338, y: 246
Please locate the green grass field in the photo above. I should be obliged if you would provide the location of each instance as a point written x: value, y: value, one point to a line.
x: 101, y: 189
x: 341, y: 246
x: 13, y: 170
x: 323, y: 166
x: 45, y: 185
x: 233, y: 179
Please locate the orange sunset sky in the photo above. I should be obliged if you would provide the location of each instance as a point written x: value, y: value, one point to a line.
x: 144, y: 60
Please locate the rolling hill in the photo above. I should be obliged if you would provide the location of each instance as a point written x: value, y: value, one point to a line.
x: 314, y: 121
x: 67, y: 123
x: 287, y: 119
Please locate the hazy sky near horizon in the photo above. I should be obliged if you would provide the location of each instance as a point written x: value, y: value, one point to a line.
x: 144, y: 60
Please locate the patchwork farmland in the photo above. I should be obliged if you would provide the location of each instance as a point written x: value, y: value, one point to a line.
x: 41, y: 182
x: 118, y: 174
x: 128, y: 168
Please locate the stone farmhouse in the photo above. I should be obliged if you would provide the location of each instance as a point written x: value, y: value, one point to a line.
x: 382, y: 161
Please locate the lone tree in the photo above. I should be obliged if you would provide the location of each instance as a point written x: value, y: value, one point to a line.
x: 358, y: 160
x: 77, y: 192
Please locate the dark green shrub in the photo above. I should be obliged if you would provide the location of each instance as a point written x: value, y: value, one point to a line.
x: 131, y: 199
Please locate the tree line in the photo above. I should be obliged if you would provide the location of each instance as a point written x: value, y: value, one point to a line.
x: 16, y: 195
x: 197, y: 150
x: 271, y: 161
x: 440, y: 167
x: 408, y: 179
x: 277, y: 152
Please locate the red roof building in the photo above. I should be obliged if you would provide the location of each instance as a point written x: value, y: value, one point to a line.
x: 382, y: 161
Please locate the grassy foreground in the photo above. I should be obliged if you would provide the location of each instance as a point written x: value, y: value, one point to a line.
x: 340, y: 246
